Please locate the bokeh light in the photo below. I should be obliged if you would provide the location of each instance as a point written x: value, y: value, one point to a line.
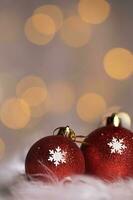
x: 29, y: 82
x: 15, y: 113
x: 34, y: 36
x: 75, y: 32
x: 7, y: 84
x: 1, y: 93
x: 32, y: 89
x: 53, y: 12
x: 61, y: 97
x: 118, y: 63
x: 90, y: 106
x: 34, y: 95
x: 40, y: 110
x: 93, y: 11
x: 10, y: 26
x: 2, y: 148
x: 43, y: 24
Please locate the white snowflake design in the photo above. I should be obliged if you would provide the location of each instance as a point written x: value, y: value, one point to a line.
x: 57, y: 157
x: 117, y: 145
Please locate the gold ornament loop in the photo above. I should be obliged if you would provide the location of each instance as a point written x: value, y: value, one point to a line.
x: 69, y: 133
x: 114, y: 120
x: 65, y: 131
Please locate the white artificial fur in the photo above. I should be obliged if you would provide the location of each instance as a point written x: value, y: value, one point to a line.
x: 80, y: 188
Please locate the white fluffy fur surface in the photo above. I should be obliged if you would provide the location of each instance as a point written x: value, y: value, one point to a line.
x: 80, y: 188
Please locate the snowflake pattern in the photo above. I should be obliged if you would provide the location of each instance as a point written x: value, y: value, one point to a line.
x: 117, y: 145
x: 57, y: 156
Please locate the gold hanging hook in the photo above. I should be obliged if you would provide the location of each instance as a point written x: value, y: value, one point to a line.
x: 114, y: 120
x: 69, y: 133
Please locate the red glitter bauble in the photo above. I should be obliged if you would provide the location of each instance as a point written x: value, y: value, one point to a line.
x: 53, y: 158
x: 108, y: 152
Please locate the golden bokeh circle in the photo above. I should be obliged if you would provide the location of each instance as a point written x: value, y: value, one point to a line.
x: 34, y: 36
x: 40, y: 110
x: 34, y: 96
x: 75, y: 32
x: 61, y: 97
x: 118, y: 63
x: 29, y: 82
x: 2, y: 148
x: 43, y: 24
x: 93, y: 11
x: 52, y: 11
x: 90, y: 106
x: 15, y: 113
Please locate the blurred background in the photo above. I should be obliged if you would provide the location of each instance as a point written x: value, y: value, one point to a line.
x: 62, y: 62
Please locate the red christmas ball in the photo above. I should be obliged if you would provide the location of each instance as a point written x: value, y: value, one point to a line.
x: 108, y: 151
x: 53, y: 158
